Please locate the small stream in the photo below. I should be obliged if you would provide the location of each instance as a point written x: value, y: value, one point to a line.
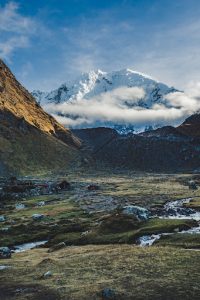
x: 173, y: 210
x: 27, y: 246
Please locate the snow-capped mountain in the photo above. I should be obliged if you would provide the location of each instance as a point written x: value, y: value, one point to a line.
x: 95, y: 83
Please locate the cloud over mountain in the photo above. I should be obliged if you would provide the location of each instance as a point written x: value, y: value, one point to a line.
x: 115, y: 106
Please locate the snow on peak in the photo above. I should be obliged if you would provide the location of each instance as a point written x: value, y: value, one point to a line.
x: 96, y: 83
x: 93, y: 83
x: 139, y: 74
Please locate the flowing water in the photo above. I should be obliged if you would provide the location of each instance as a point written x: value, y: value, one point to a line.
x: 28, y: 246
x: 173, y: 210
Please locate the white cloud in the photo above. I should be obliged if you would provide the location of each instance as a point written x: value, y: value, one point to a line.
x: 12, y: 21
x: 8, y: 46
x: 15, y: 29
x: 115, y: 106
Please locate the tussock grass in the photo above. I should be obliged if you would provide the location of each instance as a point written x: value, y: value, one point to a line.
x: 133, y: 272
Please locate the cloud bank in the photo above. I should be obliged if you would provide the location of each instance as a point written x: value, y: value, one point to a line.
x: 120, y: 106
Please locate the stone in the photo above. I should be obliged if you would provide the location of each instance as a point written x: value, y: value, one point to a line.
x: 140, y: 212
x: 5, y: 252
x: 37, y: 216
x: 108, y: 293
x: 57, y: 247
x: 2, y: 219
x: 47, y: 274
x: 4, y: 267
x: 64, y: 185
x: 192, y: 185
x: 41, y: 203
x: 92, y: 187
x: 19, y: 206
x: 5, y: 229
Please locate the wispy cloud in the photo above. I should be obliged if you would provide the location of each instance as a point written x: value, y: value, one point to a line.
x: 117, y: 106
x: 15, y: 29
x: 168, y: 51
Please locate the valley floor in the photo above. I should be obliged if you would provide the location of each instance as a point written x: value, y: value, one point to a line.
x: 83, y: 272
x: 101, y: 254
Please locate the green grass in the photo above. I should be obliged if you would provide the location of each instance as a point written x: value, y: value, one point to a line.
x: 96, y: 236
x: 194, y: 203
x: 181, y: 240
x: 138, y: 189
x: 81, y: 273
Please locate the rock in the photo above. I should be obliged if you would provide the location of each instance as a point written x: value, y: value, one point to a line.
x: 108, y: 293
x: 5, y: 229
x: 2, y: 219
x: 5, y: 252
x: 64, y: 185
x: 192, y: 185
x: 57, y: 247
x: 85, y: 233
x: 37, y: 216
x: 19, y: 206
x: 41, y: 203
x: 4, y: 267
x: 92, y: 187
x: 47, y: 274
x: 140, y: 212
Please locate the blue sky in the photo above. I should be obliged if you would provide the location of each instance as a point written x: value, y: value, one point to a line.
x: 49, y: 42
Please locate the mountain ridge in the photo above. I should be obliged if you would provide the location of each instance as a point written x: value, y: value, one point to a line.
x: 93, y: 84
x: 166, y: 149
x: 30, y: 139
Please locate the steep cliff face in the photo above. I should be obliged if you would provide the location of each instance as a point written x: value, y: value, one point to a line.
x: 29, y: 137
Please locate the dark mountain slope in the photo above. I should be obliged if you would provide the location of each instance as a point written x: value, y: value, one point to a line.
x: 191, y: 126
x: 30, y: 139
x: 165, y: 149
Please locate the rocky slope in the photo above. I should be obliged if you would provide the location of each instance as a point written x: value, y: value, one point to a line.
x: 29, y: 137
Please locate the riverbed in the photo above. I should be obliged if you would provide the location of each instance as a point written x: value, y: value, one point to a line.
x: 174, y: 210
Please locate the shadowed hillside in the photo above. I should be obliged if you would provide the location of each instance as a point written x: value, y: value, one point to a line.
x: 164, y: 149
x: 30, y: 139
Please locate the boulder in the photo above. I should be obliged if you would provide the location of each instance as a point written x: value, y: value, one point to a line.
x: 2, y: 219
x: 192, y: 185
x: 47, y: 274
x: 41, y: 203
x: 108, y: 293
x: 92, y: 187
x: 64, y: 185
x: 140, y: 212
x: 37, y: 217
x: 19, y: 206
x: 5, y: 252
x: 57, y: 247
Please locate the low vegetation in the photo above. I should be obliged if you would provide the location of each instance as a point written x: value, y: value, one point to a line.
x: 103, y: 250
x: 84, y: 272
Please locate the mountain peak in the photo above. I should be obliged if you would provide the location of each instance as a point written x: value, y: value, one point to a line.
x: 96, y: 83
